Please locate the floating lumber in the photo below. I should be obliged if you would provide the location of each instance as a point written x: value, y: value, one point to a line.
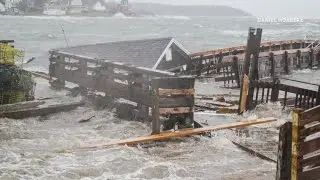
x: 20, y: 105
x: 178, y: 134
x: 41, y: 111
x: 217, y: 103
x: 253, y: 152
x: 41, y: 75
x: 227, y: 110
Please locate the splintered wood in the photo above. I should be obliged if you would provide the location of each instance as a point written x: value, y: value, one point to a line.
x: 177, y: 134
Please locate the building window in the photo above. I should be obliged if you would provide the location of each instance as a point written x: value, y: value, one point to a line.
x: 169, y: 55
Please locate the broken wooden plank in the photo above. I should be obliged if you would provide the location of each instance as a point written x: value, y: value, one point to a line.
x: 227, y: 110
x: 41, y: 75
x: 255, y: 153
x: 177, y: 110
x: 41, y: 111
x: 20, y: 105
x: 177, y: 134
x: 309, y: 146
x: 217, y: 103
x: 163, y: 92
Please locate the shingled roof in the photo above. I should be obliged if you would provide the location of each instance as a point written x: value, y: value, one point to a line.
x: 141, y: 53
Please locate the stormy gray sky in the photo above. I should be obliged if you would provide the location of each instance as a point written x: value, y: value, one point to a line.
x: 271, y: 8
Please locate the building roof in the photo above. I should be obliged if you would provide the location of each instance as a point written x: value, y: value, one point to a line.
x: 141, y: 53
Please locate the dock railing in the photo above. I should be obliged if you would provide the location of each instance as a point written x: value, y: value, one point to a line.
x: 300, y: 95
x: 264, y: 59
x: 299, y: 146
x: 135, y: 84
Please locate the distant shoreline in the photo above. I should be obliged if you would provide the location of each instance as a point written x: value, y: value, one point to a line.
x: 153, y: 9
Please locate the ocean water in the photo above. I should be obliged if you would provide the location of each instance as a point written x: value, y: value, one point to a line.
x: 32, y: 148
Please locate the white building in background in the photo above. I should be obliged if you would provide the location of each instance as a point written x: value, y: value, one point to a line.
x: 2, y: 9
x: 98, y: 7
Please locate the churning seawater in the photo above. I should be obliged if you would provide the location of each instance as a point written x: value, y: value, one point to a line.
x: 32, y: 148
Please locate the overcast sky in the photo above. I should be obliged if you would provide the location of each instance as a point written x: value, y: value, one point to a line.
x: 274, y: 8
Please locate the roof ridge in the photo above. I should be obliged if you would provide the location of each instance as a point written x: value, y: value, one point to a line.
x: 123, y: 41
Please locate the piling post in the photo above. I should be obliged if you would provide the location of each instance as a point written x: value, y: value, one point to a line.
x: 286, y: 64
x: 62, y: 67
x: 236, y: 69
x: 298, y: 55
x: 275, y: 90
x: 243, y: 94
x: 318, y: 57
x: 295, y: 155
x: 155, y: 107
x: 199, y: 66
x: 248, y: 52
x: 220, y: 58
x: 311, y: 57
x: 272, y: 68
x: 318, y: 97
x: 255, y: 62
x: 284, y: 152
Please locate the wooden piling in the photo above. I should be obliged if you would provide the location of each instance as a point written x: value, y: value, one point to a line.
x: 275, y: 90
x: 249, y: 49
x: 311, y: 57
x: 272, y: 66
x: 235, y: 68
x: 155, y: 107
x: 243, y: 94
x: 298, y: 55
x: 286, y: 64
x: 284, y: 152
x: 295, y: 155
x: 318, y: 97
x: 318, y: 57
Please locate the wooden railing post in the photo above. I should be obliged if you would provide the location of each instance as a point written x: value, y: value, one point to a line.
x: 298, y: 55
x: 286, y: 64
x: 311, y: 57
x: 275, y: 90
x: 155, y: 106
x: 284, y: 152
x: 58, y: 71
x: 318, y: 97
x: 256, y: 51
x: 318, y: 57
x: 220, y: 58
x: 272, y: 66
x: 199, y: 66
x: 52, y: 60
x: 235, y: 68
x: 295, y: 156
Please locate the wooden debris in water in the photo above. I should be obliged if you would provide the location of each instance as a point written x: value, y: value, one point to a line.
x: 177, y: 134
x: 20, y: 105
x: 86, y: 120
x: 40, y: 111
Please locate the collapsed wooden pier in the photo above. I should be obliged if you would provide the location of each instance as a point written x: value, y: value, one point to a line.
x: 164, y: 93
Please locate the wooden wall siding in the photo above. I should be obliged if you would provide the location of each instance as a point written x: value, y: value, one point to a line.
x: 171, y: 96
x: 304, y: 148
x: 179, y: 58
